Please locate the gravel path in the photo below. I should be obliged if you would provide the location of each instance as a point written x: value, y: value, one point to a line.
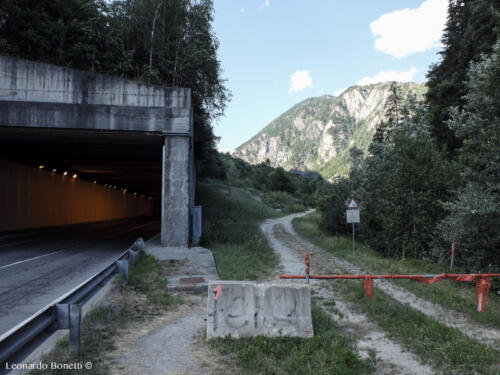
x: 391, y: 357
x: 170, y: 344
x: 481, y: 332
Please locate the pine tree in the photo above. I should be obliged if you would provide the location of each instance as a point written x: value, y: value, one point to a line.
x: 393, y: 106
x: 472, y: 28
x: 475, y: 215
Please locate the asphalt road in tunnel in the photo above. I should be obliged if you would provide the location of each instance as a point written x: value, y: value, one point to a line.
x: 40, y: 265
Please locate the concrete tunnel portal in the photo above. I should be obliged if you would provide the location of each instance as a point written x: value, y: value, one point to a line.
x: 127, y: 142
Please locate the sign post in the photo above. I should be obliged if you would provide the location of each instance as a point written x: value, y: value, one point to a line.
x: 452, y: 254
x: 352, y: 215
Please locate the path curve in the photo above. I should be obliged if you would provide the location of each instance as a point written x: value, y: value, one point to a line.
x: 391, y: 357
x: 481, y: 332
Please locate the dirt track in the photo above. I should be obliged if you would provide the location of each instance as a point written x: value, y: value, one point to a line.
x: 392, y: 358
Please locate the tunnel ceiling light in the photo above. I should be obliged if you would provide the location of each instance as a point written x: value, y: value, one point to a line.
x: 41, y: 166
x: 65, y: 173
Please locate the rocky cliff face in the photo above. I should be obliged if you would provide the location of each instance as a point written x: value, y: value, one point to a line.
x: 318, y: 133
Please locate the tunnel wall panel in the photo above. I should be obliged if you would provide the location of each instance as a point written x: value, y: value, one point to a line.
x: 31, y: 198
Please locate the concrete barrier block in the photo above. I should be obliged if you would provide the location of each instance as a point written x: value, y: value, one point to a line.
x: 245, y: 308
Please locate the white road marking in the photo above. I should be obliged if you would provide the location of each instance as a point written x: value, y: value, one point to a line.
x: 30, y: 259
x: 58, y: 251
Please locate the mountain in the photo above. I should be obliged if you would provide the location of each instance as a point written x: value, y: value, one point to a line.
x: 317, y: 133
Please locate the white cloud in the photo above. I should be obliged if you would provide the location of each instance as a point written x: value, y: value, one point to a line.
x: 242, y: 10
x: 391, y: 75
x: 339, y: 91
x: 265, y: 4
x: 300, y: 80
x: 408, y: 31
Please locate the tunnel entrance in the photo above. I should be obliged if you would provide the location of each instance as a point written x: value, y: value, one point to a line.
x: 108, y: 136
x: 131, y: 161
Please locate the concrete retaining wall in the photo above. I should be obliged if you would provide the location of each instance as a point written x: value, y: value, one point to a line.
x: 31, y: 198
x: 244, y: 308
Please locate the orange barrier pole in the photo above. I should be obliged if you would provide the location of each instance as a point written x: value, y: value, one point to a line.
x: 483, y: 282
x: 428, y: 279
x: 307, y: 268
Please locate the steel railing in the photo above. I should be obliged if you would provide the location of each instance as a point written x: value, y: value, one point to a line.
x: 62, y: 313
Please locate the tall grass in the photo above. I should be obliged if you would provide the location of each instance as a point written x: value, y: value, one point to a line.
x: 231, y: 231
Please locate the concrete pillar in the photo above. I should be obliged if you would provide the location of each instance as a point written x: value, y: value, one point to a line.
x: 175, y: 214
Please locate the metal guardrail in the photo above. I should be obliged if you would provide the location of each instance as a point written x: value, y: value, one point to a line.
x: 62, y: 313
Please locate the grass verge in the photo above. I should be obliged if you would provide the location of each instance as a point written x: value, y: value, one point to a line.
x: 460, y: 297
x: 443, y: 347
x: 231, y: 231
x: 144, y: 298
x: 326, y: 353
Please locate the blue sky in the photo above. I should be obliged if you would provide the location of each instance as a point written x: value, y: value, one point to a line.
x: 276, y: 53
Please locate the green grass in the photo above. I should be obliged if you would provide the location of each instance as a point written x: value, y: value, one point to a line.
x: 456, y: 296
x: 231, y: 231
x: 326, y: 353
x: 443, y: 347
x: 144, y: 297
x: 283, y: 201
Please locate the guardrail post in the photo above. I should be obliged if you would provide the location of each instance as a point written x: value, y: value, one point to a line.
x: 133, y: 256
x: 75, y: 323
x: 122, y: 265
x: 139, y: 244
x: 62, y: 312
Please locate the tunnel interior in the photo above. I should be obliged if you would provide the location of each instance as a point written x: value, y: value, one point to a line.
x: 123, y: 161
x: 68, y: 176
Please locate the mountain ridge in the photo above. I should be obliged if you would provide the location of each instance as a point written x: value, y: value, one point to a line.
x: 317, y: 133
